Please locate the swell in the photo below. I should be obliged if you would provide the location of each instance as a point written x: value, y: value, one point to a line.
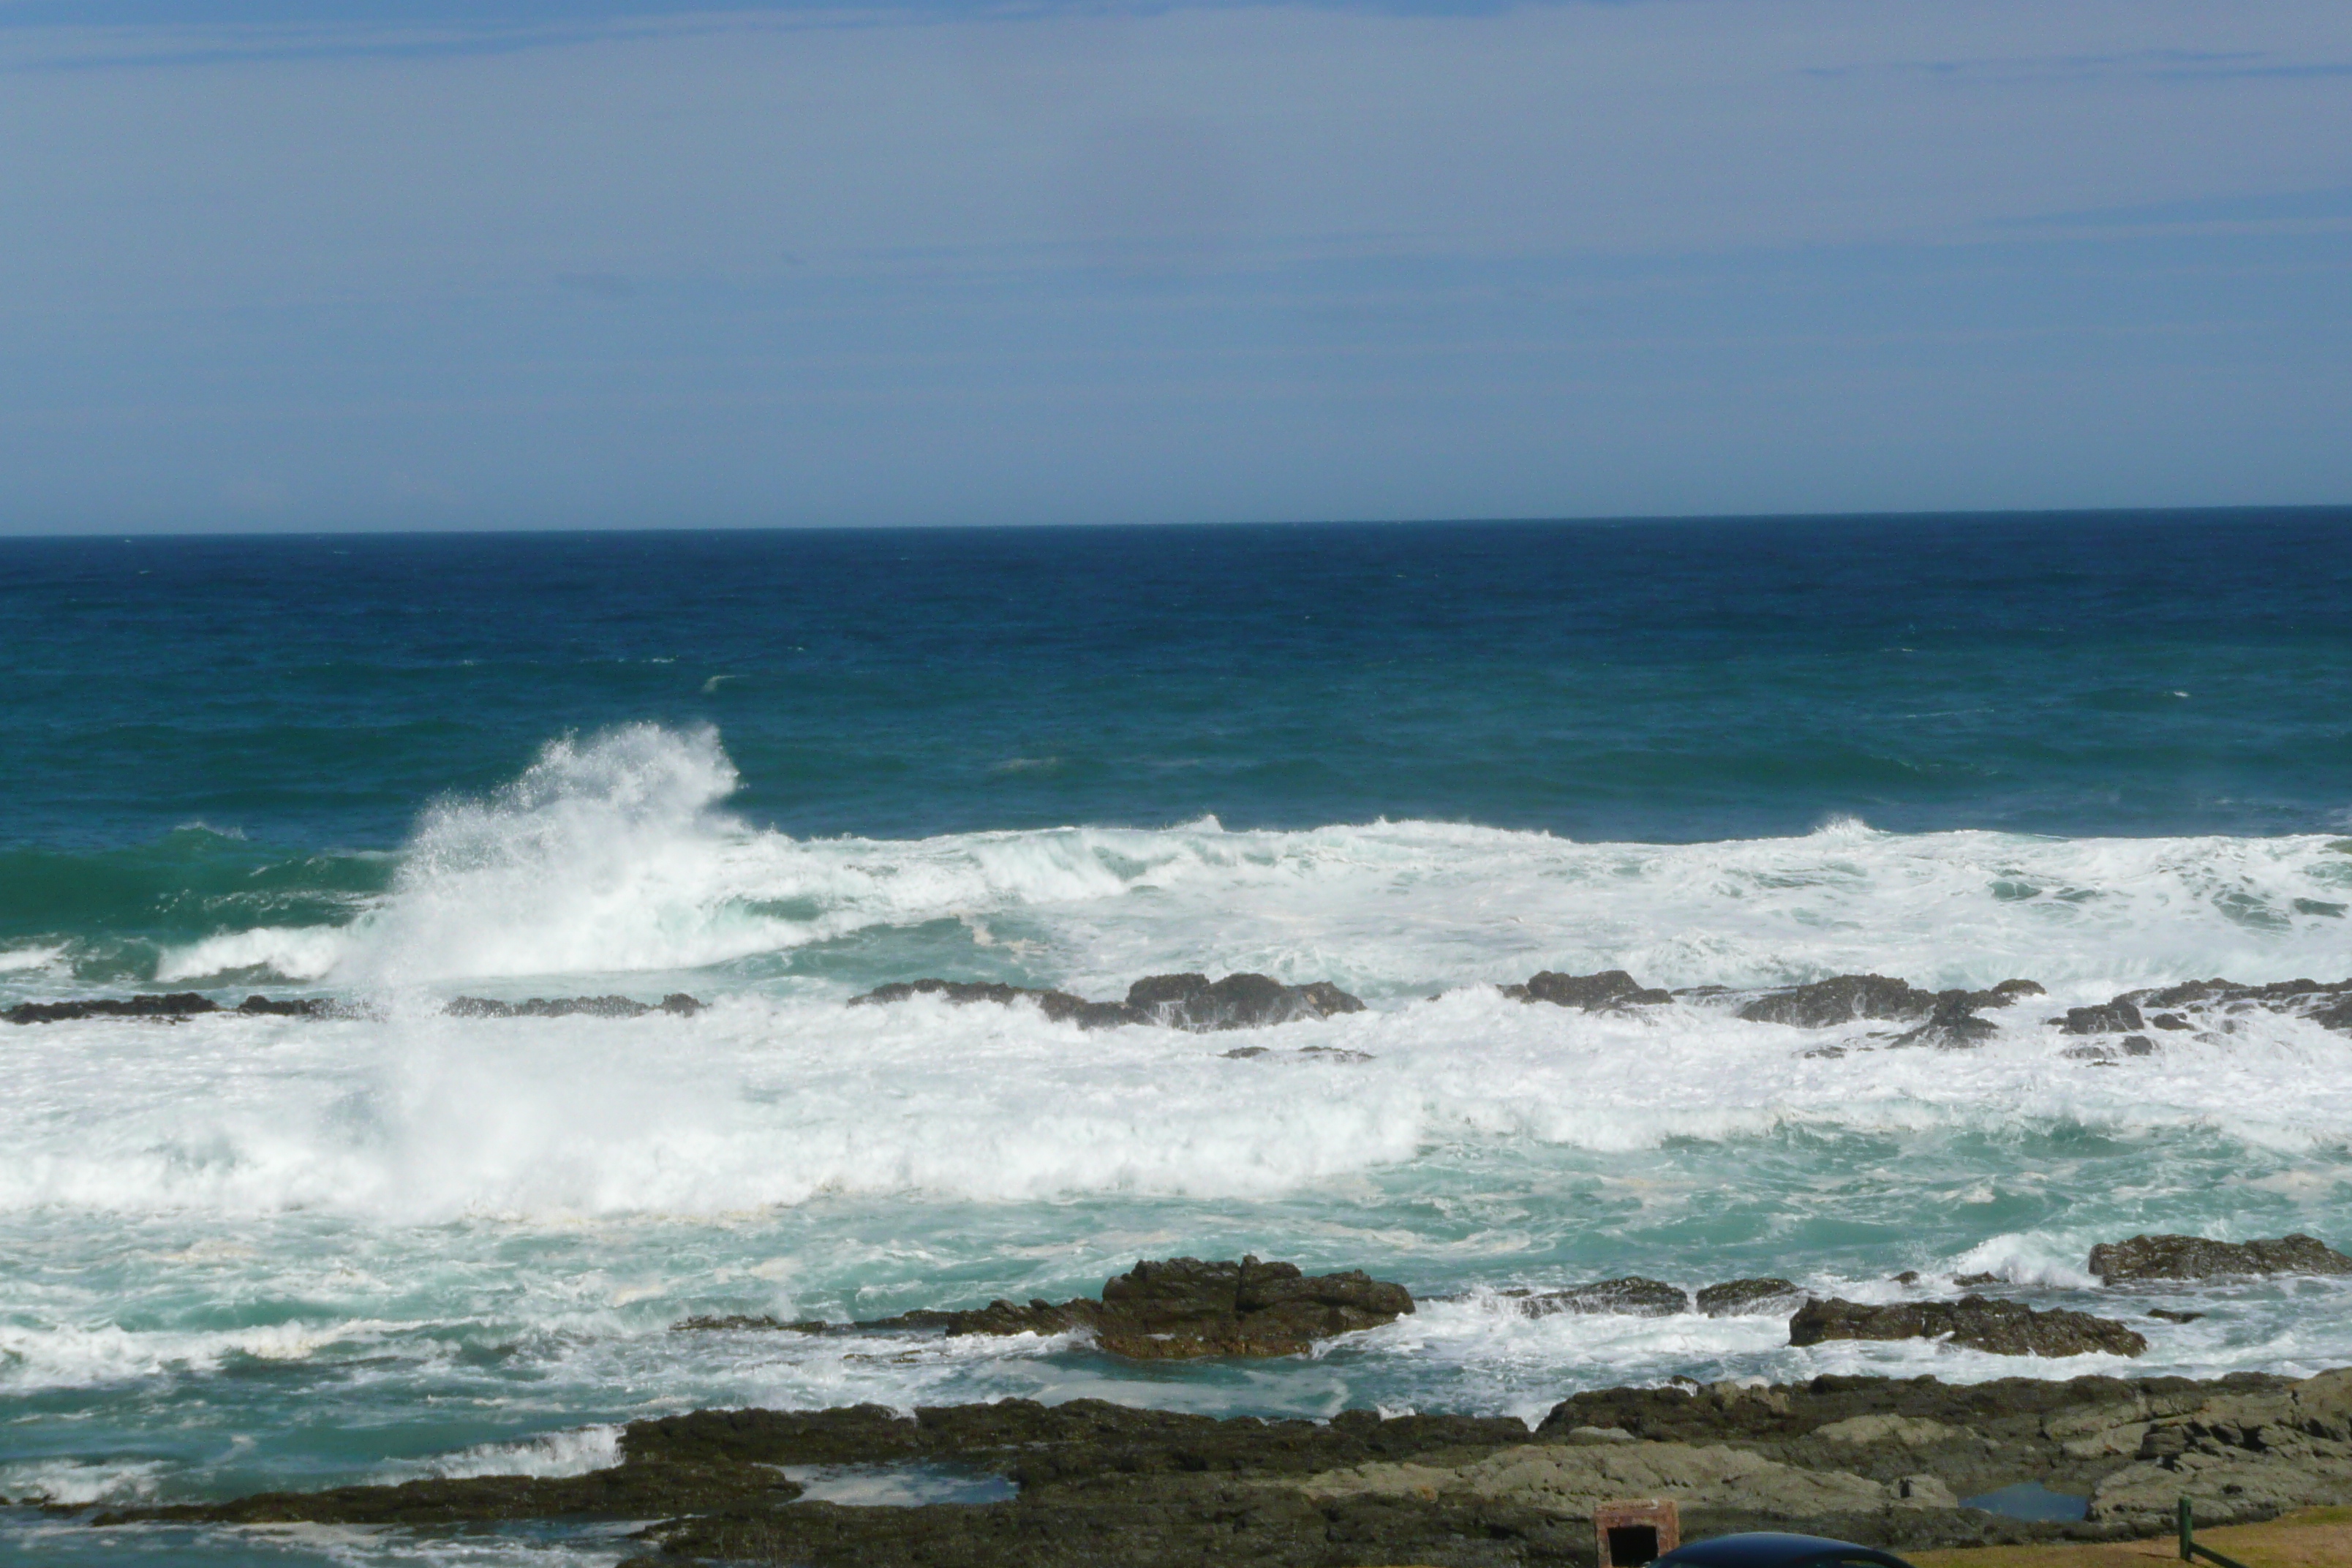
x: 616, y: 855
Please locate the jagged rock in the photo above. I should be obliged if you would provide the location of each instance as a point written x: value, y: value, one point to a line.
x: 2004, y: 1327
x: 1948, y: 1017
x: 284, y: 1007
x: 2195, y: 1257
x: 2169, y: 1316
x: 1746, y: 1298
x: 1841, y: 1000
x: 1862, y: 1458
x: 740, y: 1324
x: 1182, y: 1307
x: 1610, y: 990
x: 1175, y: 1001
x: 2108, y: 1018
x: 677, y: 1003
x: 1633, y: 1296
x: 1952, y: 1024
x: 1237, y: 1001
x: 1970, y: 1281
x: 1057, y: 1006
x: 166, y: 1006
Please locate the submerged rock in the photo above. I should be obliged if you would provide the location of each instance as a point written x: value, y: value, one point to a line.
x: 1633, y: 1296
x: 1191, y: 1001
x: 1948, y: 1018
x: 164, y: 1005
x: 1060, y: 1006
x: 2002, y: 1328
x: 677, y: 1003
x: 1237, y: 1001
x: 1182, y: 1307
x: 1610, y: 990
x: 1748, y: 1298
x: 2195, y: 1257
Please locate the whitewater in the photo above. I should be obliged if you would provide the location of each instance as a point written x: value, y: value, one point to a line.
x: 241, y: 1252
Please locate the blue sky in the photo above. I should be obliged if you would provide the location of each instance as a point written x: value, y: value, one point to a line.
x: 300, y: 266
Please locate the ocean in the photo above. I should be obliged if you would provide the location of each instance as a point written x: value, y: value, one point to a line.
x: 774, y: 770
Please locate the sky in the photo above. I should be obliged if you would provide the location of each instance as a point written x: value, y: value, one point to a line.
x: 294, y: 265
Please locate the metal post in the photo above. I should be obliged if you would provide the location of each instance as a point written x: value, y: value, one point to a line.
x: 2187, y: 1532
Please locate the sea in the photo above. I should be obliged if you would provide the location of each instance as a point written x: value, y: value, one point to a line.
x: 773, y: 770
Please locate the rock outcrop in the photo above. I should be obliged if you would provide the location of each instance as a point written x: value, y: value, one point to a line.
x: 1748, y: 1297
x: 1182, y: 1307
x: 168, y: 1006
x: 2004, y: 1327
x: 1611, y: 990
x: 677, y: 1003
x: 1875, y: 1460
x: 2194, y: 1257
x: 1949, y: 1016
x: 1632, y: 1296
x: 1191, y: 1001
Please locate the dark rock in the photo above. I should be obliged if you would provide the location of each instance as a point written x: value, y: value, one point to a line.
x: 2139, y: 1046
x: 1841, y: 1000
x: 2108, y: 1018
x: 2170, y: 1316
x: 283, y: 1007
x: 1237, y: 1001
x: 1244, y: 1053
x: 1183, y: 1308
x: 1908, y: 1276
x: 1176, y: 1001
x: 1610, y: 990
x: 1952, y: 1024
x: 2194, y: 1257
x: 678, y: 1003
x: 2008, y: 991
x: 2004, y: 1327
x: 170, y: 1005
x: 2170, y: 1021
x: 1745, y: 1298
x: 1059, y: 1006
x: 1969, y: 1282
x: 1633, y: 1296
x: 762, y: 1323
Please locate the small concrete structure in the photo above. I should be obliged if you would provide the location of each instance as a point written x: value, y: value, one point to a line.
x: 1630, y: 1534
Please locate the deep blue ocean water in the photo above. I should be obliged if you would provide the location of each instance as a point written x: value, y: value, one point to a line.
x: 775, y: 769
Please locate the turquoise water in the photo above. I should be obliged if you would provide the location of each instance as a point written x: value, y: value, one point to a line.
x: 776, y: 770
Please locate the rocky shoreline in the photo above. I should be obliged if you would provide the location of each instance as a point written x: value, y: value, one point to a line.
x: 2129, y: 1023
x: 1871, y: 1460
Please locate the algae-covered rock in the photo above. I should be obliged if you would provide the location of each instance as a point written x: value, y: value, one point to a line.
x: 2195, y: 1257
x: 2004, y: 1327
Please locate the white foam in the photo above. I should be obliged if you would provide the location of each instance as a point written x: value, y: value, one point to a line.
x: 78, y: 1483
x: 18, y: 960
x: 573, y: 1452
x: 287, y: 952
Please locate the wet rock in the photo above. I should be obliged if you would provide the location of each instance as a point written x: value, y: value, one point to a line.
x: 762, y: 1323
x: 2108, y: 1018
x: 1059, y: 1006
x: 1842, y: 999
x: 677, y: 1003
x: 2195, y: 1257
x: 1608, y: 991
x: 1633, y: 1296
x: 1748, y: 1298
x: 1908, y: 1276
x: 1970, y: 1281
x: 284, y: 1007
x: 167, y: 1005
x: 1952, y: 1024
x: 2004, y: 1327
x: 1182, y: 1307
x: 1237, y: 1001
x: 2169, y: 1316
x: 1174, y: 1001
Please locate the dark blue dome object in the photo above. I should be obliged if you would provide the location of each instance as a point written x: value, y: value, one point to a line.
x: 1773, y: 1550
